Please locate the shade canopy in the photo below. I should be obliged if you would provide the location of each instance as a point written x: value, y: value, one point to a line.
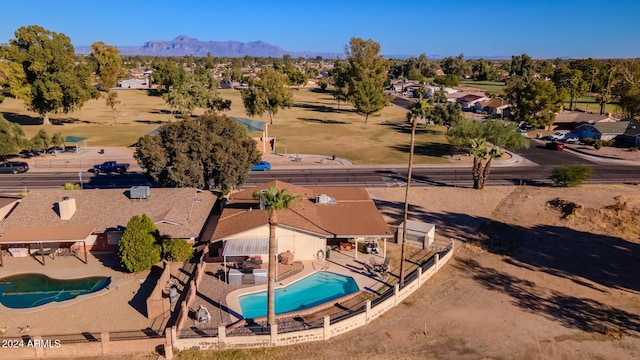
x: 74, y: 139
x: 251, y: 125
x: 246, y: 247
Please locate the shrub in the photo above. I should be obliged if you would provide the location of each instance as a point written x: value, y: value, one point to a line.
x: 570, y: 175
x: 138, y: 248
x: 70, y: 186
x: 177, y: 250
x: 633, y: 149
x: 588, y: 141
x: 597, y: 145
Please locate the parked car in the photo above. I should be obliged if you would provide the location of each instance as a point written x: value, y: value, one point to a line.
x: 571, y: 139
x: 13, y: 167
x: 261, y: 166
x: 109, y: 167
x: 554, y: 145
x: 558, y: 135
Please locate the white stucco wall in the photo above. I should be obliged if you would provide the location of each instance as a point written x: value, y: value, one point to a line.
x: 303, y: 245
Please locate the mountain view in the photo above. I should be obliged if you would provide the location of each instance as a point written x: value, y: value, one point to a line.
x: 184, y: 45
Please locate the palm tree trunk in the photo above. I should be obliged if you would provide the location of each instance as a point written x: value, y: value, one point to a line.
x: 271, y: 304
x: 414, y: 123
x: 485, y: 173
x: 477, y: 172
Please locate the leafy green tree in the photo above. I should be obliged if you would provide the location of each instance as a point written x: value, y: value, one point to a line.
x: 210, y: 150
x: 177, y: 250
x: 340, y: 76
x: 48, y: 78
x: 109, y: 69
x: 446, y: 115
x: 535, y: 103
x: 571, y: 80
x: 485, y: 140
x: 368, y: 99
x: 455, y: 66
x: 446, y: 81
x: 168, y: 74
x: 57, y: 139
x: 367, y: 73
x: 323, y: 83
x: 138, y: 248
x: 522, y: 66
x: 273, y: 200
x: 41, y: 140
x: 12, y: 138
x: 571, y: 175
x: 269, y: 93
x: 416, y: 75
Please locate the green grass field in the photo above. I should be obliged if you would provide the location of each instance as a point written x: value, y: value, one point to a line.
x: 313, y: 125
x: 493, y: 87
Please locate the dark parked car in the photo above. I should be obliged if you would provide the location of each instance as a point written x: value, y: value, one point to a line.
x: 109, y: 167
x: 554, y: 145
x: 13, y: 167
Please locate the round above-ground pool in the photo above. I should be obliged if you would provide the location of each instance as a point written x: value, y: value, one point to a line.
x: 30, y: 290
x: 313, y: 290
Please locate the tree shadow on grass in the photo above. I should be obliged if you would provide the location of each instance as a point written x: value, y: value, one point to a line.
x: 405, y: 128
x: 153, y: 92
x: 22, y: 119
x: 572, y: 312
x: 322, y: 108
x: 427, y: 149
x: 151, y: 122
x: 324, y: 121
x: 161, y: 111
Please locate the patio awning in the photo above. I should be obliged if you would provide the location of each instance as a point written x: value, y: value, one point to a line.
x: 246, y: 247
x: 51, y: 234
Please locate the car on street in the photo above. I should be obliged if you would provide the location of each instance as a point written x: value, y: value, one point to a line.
x: 13, y: 167
x: 554, y: 145
x: 261, y: 166
x: 571, y: 140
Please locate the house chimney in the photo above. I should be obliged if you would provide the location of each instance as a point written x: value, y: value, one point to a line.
x: 67, y: 207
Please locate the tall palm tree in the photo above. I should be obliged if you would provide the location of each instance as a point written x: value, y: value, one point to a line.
x: 417, y: 110
x: 273, y: 200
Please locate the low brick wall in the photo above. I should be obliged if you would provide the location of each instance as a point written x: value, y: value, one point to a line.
x: 329, y: 330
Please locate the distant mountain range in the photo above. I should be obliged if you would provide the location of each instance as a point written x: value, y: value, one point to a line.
x: 184, y: 45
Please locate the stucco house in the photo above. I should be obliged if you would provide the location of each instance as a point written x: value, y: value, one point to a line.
x: 321, y: 217
x: 95, y: 219
x: 602, y: 130
x: 569, y: 120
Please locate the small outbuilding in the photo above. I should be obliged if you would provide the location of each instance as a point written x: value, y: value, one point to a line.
x: 419, y: 234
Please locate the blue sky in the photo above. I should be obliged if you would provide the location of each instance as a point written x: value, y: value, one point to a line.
x: 542, y: 28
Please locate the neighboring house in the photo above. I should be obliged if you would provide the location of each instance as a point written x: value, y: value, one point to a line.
x: 569, y: 120
x: 602, y: 130
x: 455, y: 96
x: 496, y: 107
x: 133, y: 84
x: 323, y: 216
x: 631, y: 136
x: 469, y: 101
x: 177, y: 213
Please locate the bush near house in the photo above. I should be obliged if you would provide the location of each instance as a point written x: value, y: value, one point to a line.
x: 177, y: 250
x: 139, y: 248
x: 570, y: 175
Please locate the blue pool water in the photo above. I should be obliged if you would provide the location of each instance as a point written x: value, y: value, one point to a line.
x: 313, y: 290
x: 31, y: 290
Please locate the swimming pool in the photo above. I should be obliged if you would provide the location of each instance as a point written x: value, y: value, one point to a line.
x: 315, y: 289
x: 30, y: 290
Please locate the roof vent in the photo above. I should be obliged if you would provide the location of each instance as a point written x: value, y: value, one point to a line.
x: 325, y: 199
x: 139, y: 192
x: 67, y: 207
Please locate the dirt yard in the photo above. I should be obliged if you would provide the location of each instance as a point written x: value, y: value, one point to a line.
x: 529, y: 280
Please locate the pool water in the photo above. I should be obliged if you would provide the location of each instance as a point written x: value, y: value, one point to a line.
x: 31, y: 290
x: 313, y: 290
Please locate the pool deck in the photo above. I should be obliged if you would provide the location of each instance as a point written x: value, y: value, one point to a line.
x: 116, y: 308
x: 342, y: 263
